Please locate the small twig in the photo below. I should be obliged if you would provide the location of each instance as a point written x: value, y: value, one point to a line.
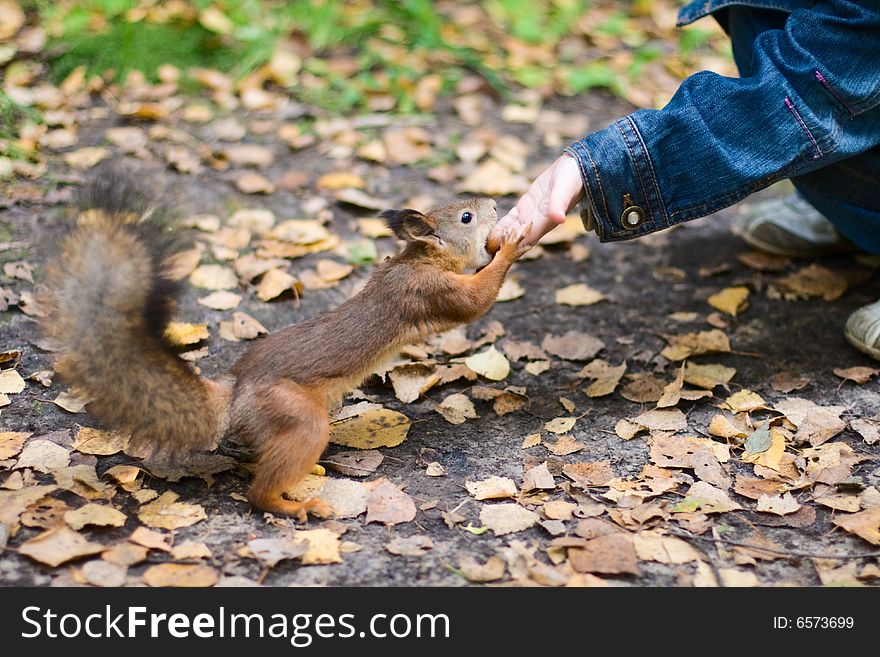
x: 762, y: 548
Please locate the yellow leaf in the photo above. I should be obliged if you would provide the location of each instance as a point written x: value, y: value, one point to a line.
x: 340, y: 180
x: 745, y: 401
x: 181, y: 575
x: 323, y: 546
x: 214, y: 277
x: 457, y: 408
x: 58, y: 545
x: 578, y: 295
x: 731, y: 300
x: 182, y: 333
x: 101, y: 443
x: 214, y: 20
x: 373, y: 428
x: 560, y: 425
x: 11, y: 382
x: 94, y: 514
x: 165, y: 512
x: 490, y: 364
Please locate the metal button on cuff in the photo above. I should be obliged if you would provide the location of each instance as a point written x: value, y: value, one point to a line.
x: 632, y: 216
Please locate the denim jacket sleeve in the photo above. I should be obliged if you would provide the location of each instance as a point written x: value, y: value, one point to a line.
x: 811, y: 100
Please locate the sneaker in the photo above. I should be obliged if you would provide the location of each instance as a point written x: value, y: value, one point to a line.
x: 790, y: 227
x: 863, y: 330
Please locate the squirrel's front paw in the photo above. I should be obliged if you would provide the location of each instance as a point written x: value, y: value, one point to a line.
x: 513, y: 242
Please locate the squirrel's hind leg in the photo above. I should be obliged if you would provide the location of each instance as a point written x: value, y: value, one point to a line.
x: 294, y: 432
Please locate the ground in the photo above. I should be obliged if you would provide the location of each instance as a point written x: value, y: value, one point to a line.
x: 644, y: 282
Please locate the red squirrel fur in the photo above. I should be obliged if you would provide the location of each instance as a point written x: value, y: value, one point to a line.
x: 110, y: 295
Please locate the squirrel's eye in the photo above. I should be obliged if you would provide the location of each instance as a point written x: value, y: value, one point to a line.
x: 466, y: 217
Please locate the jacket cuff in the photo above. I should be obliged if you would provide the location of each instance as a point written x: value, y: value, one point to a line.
x: 624, y: 200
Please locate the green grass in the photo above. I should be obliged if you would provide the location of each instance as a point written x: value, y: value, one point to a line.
x: 144, y: 47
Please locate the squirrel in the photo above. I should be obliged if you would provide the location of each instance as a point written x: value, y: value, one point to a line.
x: 110, y: 293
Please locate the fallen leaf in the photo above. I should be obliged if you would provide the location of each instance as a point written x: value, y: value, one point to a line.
x: 412, y: 380
x: 85, y: 158
x: 165, y: 512
x: 857, y: 375
x: 606, y: 376
x: 271, y: 551
x: 587, y: 473
x: 202, y: 466
x: 505, y: 519
x: 43, y: 456
x: 661, y: 420
x: 578, y: 295
x: 274, y: 283
x: 181, y: 334
x: 613, y: 554
x: 412, y: 546
x: 15, y: 502
x: 490, y: 364
x: 390, y: 505
x: 355, y: 463
x: 149, y: 539
x: 371, y: 429
x: 574, y: 345
x: 213, y: 277
x: 731, y: 300
x: 819, y: 426
x: 812, y: 281
x: 493, y: 488
x: 778, y: 504
x: 644, y: 388
x: 434, y: 469
x: 786, y: 382
x: 538, y: 478
x: 99, y: 572
x: 11, y: 443
x: 181, y: 575
x: 745, y: 401
x: 11, y: 382
x: 707, y: 376
x: 865, y: 524
x: 650, y: 546
x: 510, y: 290
x: 474, y: 571
x: 221, y: 300
x: 245, y: 327
x: 98, y: 515
x: 695, y: 344
x: 560, y: 425
x: 191, y: 550
x: 564, y: 445
x: 59, y: 545
x: 704, y: 497
x: 532, y: 440
x: 867, y: 429
x: 99, y: 442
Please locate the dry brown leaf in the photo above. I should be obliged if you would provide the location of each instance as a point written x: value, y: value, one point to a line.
x: 14, y: 502
x: 779, y: 505
x: 865, y: 524
x: 43, y: 456
x: 745, y: 401
x: 613, y: 554
x: 538, y: 478
x: 707, y: 376
x: 786, y: 382
x: 390, y: 505
x: 11, y: 382
x: 762, y: 261
x: 165, y: 512
x: 59, y: 545
x: 491, y: 178
x: 271, y: 551
x: 474, y: 571
x: 149, y: 539
x: 274, y: 283
x: 86, y: 158
x: 869, y: 429
x: 99, y: 572
x: 661, y: 420
x: 564, y: 445
x: 587, y: 473
x: 412, y: 380
x: 412, y: 546
x: 11, y: 443
x: 651, y: 546
x: 812, y: 281
x: 578, y: 295
x: 191, y: 550
x: 505, y: 519
x: 340, y: 180
x: 858, y: 375
x: 98, y: 515
x: 355, y: 463
x: 254, y: 183
x: 819, y: 425
x: 214, y: 277
x: 644, y: 388
x: 101, y: 443
x: 510, y: 290
x: 695, y: 344
x: 606, y: 376
x: 493, y: 488
x: 704, y: 497
x: 181, y: 575
x: 574, y: 345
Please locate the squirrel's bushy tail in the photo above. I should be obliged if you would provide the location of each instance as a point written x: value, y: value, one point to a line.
x: 109, y: 295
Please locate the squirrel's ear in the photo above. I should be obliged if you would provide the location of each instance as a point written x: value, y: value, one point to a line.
x: 408, y: 224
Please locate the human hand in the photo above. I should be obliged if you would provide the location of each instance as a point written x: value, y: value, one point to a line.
x: 546, y: 202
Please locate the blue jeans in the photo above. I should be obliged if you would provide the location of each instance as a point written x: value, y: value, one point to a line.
x: 806, y: 107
